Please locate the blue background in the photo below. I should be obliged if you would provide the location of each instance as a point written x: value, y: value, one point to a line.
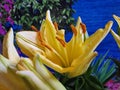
x: 95, y: 14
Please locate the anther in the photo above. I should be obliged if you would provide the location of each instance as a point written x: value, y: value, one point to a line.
x: 56, y: 25
x: 34, y: 28
x: 45, y: 45
x: 61, y: 41
x: 83, y: 27
x: 40, y: 36
x: 73, y: 29
x: 42, y: 41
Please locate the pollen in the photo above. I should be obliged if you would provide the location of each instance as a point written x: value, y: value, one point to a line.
x: 61, y: 41
x: 83, y: 27
x: 73, y: 29
x: 34, y: 28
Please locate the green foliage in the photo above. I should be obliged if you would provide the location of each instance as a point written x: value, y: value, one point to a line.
x: 103, y: 68
x: 32, y: 12
x: 82, y: 82
x: 117, y: 62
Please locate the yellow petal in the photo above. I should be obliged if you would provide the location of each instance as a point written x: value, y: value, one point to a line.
x: 94, y: 40
x: 40, y: 74
x: 42, y: 70
x: 34, y: 80
x: 27, y: 44
x: 116, y: 37
x: 50, y: 32
x: 54, y: 66
x: 83, y: 64
x: 9, y: 50
x: 29, y: 67
x: 50, y: 38
x: 8, y: 77
x: 4, y: 63
x: 29, y: 36
x: 117, y: 19
x: 91, y: 43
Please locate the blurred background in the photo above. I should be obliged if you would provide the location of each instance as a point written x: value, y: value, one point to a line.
x: 22, y: 14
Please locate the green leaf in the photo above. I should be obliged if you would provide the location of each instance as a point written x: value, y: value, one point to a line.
x: 117, y: 62
x: 118, y: 31
x: 103, y: 68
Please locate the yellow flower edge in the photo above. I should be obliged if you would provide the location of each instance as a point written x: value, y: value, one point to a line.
x: 116, y: 37
x: 73, y: 57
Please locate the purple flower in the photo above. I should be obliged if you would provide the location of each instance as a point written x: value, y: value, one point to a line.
x: 2, y: 30
x: 7, y: 8
x: 112, y: 85
x: 8, y: 1
x: 116, y: 86
x: 109, y: 84
x: 8, y: 19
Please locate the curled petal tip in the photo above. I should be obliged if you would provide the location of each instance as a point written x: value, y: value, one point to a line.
x: 115, y: 16
x: 116, y: 37
x: 9, y: 50
x: 110, y: 23
x: 79, y: 18
x: 48, y: 15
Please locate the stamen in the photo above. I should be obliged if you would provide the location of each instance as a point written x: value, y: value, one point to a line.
x: 56, y: 25
x: 83, y: 27
x: 42, y: 41
x: 40, y: 36
x: 34, y: 28
x: 45, y: 45
x: 61, y: 41
x: 73, y: 29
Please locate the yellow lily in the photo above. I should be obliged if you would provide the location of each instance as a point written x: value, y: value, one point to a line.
x: 38, y: 75
x: 72, y: 58
x: 9, y: 80
x: 9, y: 50
x: 39, y: 78
x: 116, y: 37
